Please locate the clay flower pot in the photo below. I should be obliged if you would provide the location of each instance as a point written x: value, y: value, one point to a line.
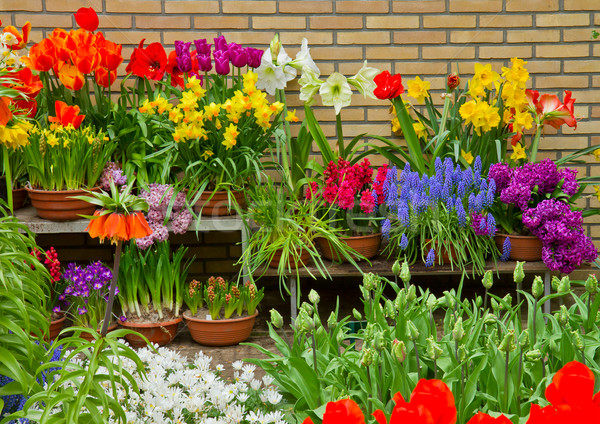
x: 55, y: 327
x: 304, y: 259
x: 58, y: 205
x: 220, y: 332
x: 88, y: 336
x: 19, y: 196
x: 522, y: 248
x: 217, y: 203
x: 447, y: 254
x: 368, y: 246
x: 161, y: 333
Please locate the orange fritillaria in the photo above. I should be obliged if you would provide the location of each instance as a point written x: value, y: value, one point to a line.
x: 116, y: 226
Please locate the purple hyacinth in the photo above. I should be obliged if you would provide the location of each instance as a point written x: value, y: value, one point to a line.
x: 570, y: 186
x: 430, y: 258
x: 505, y: 250
x: 403, y: 241
x: 221, y: 62
x: 501, y: 173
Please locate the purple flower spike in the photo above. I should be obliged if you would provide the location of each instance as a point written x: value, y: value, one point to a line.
x: 202, y: 47
x: 254, y: 57
x: 220, y: 43
x: 221, y: 62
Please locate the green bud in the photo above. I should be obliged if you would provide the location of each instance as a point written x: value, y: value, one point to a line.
x: 591, y: 284
x: 276, y: 319
x: 554, y: 282
x: 405, y: 273
x: 378, y: 341
x: 508, y: 342
x: 524, y: 340
x: 492, y: 338
x: 308, y: 308
x: 356, y: 314
x: 396, y: 268
x: 577, y: 340
x: 413, y: 331
x: 275, y: 46
x: 494, y: 304
x: 431, y: 302
x: 370, y: 281
x: 399, y: 350
x: 320, y: 332
x: 400, y: 302
x: 478, y: 301
x: 369, y: 332
x: 563, y: 316
x: 553, y: 346
x: 533, y: 355
x: 488, y: 280
x: 390, y: 309
x: 434, y: 351
x: 332, y: 321
x: 458, y: 332
x: 537, y: 287
x: 490, y: 318
x: 564, y: 286
x: 450, y: 301
x: 314, y: 297
x: 304, y: 323
x: 340, y: 336
x: 508, y: 300
x: 411, y: 294
x: 519, y: 274
x: 462, y: 353
x: 367, y: 357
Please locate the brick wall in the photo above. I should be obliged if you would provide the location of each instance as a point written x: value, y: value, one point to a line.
x: 429, y: 38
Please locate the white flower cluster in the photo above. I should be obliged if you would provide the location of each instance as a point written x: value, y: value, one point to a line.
x: 178, y: 391
x: 9, y: 58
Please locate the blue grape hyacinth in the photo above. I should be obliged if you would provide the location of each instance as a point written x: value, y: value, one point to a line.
x: 430, y: 258
x: 505, y: 250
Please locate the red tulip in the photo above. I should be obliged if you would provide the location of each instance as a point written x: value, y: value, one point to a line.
x: 66, y: 115
x: 42, y: 56
x: 481, y: 418
x: 344, y: 411
x: 388, y: 86
x: 87, y: 18
x: 102, y: 77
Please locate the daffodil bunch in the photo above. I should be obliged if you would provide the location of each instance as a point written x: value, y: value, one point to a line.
x: 219, y: 145
x: 66, y: 155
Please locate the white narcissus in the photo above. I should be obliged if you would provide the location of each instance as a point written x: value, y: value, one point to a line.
x: 336, y: 92
x: 363, y: 80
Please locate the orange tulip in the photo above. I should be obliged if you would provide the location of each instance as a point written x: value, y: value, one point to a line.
x: 96, y: 226
x: 42, y: 56
x: 66, y: 115
x: 102, y: 77
x: 137, y: 225
x: 5, y: 113
x: 71, y: 77
x: 110, y: 53
x: 86, y: 58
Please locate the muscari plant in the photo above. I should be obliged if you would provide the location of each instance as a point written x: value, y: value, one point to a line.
x: 492, y: 359
x: 445, y: 212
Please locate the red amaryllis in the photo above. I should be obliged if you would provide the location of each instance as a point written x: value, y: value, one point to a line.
x: 550, y: 110
x: 388, y: 86
x: 482, y: 418
x: 431, y: 402
x: 150, y: 62
x: 66, y: 115
x: 87, y: 18
x: 344, y: 411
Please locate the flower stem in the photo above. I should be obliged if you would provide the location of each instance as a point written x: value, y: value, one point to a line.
x: 506, y: 383
x: 535, y: 143
x: 340, y: 135
x: 113, y: 286
x: 7, y: 172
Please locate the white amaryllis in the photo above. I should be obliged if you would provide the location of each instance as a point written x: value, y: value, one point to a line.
x: 304, y: 59
x: 309, y: 85
x: 336, y: 92
x: 363, y: 80
x: 271, y: 76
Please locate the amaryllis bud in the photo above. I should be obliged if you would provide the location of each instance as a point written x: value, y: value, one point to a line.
x: 314, y: 297
x: 453, y: 82
x: 537, y: 287
x: 276, y: 319
x: 399, y: 350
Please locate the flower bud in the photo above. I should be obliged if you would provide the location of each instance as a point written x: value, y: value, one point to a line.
x: 508, y: 342
x: 494, y: 304
x: 332, y: 321
x: 564, y: 286
x: 390, y: 309
x: 275, y: 47
x: 519, y: 274
x: 554, y: 282
x: 508, y: 300
x: 591, y: 284
x: 434, y: 351
x: 396, y: 268
x: 553, y: 346
x: 400, y: 301
x: 488, y: 280
x: 356, y: 314
x: 458, y: 332
x: 490, y: 319
x: 450, y: 301
x: 563, y: 316
x: 370, y: 281
x: 405, y: 273
x: 533, y: 355
x: 367, y: 357
x: 411, y: 294
x: 314, y: 297
x: 304, y: 323
x: 577, y: 340
x: 492, y: 338
x: 308, y: 308
x: 340, y: 336
x: 413, y: 331
x: 399, y: 350
x: 537, y: 287
x: 378, y: 341
x: 453, y: 82
x: 524, y: 340
x: 369, y: 332
x: 276, y: 319
x: 431, y: 302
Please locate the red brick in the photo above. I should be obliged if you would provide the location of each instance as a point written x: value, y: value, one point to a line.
x: 362, y: 6
x: 221, y: 22
x: 191, y: 6
x: 336, y: 22
x: 418, y: 6
x: 305, y: 6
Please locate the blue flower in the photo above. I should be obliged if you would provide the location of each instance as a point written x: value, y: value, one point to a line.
x: 480, y: 201
x: 491, y: 225
x: 505, y: 250
x: 439, y: 167
x: 430, y: 258
x: 461, y: 190
x: 460, y: 212
x: 477, y: 165
x: 472, y: 203
x: 468, y: 178
x: 491, y: 193
x: 385, y: 228
x: 403, y: 241
x: 483, y: 227
x: 404, y: 214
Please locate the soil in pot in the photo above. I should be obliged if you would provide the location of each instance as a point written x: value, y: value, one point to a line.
x: 222, y: 332
x: 150, y: 325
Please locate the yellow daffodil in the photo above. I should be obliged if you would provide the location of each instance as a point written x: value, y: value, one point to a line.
x: 396, y: 125
x: 291, y: 116
x: 518, y: 152
x: 485, y: 75
x: 420, y: 130
x: 522, y: 120
x: 597, y: 154
x: 231, y: 132
x: 146, y: 107
x: 467, y: 156
x: 476, y: 88
x: 418, y: 89
x: 211, y: 110
x: 188, y: 101
x: 207, y: 154
x: 480, y: 114
x: 516, y: 74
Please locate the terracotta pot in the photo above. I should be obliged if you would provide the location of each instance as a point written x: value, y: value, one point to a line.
x: 160, y: 333
x: 221, y: 332
x: 55, y: 327
x: 88, y: 336
x: 217, y: 203
x: 368, y: 246
x: 304, y: 259
x: 19, y: 196
x: 58, y: 206
x: 522, y: 248
x: 447, y: 254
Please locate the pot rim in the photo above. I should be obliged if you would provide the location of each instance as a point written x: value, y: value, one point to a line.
x: 373, y: 235
x: 37, y: 190
x: 150, y: 324
x: 64, y: 317
x: 517, y: 236
x: 189, y: 318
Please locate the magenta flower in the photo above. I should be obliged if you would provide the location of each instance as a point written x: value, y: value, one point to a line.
x: 221, y: 62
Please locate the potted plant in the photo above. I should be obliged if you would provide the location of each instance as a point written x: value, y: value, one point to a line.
x: 63, y: 160
x: 152, y: 274
x: 441, y: 219
x: 351, y: 199
x: 221, y: 313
